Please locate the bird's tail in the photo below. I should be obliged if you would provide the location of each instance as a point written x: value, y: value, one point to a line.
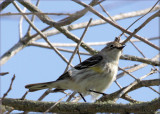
x: 39, y: 86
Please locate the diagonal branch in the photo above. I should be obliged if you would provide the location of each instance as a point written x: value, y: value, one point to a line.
x: 141, y: 26
x: 43, y: 36
x: 143, y: 83
x: 78, y: 44
x: 9, y: 89
x: 126, y: 89
x: 115, y: 25
x: 49, y: 21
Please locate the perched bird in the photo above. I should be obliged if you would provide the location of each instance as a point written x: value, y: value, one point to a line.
x: 94, y: 74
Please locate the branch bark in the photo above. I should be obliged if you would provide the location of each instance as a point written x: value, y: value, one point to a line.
x: 63, y: 107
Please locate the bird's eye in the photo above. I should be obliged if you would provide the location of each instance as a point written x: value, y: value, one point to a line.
x: 111, y: 46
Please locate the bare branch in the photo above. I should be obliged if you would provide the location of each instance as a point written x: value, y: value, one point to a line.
x: 117, y: 26
x: 3, y: 73
x: 20, y: 25
x: 23, y: 97
x: 154, y: 90
x: 140, y: 18
x: 32, y: 19
x: 71, y: 96
x: 33, y: 13
x: 20, y: 45
x: 137, y: 67
x: 141, y: 26
x: 88, y: 43
x: 78, y: 44
x: 99, y: 21
x: 75, y: 16
x: 143, y: 83
x: 140, y: 59
x: 10, y: 87
x: 49, y: 21
x: 131, y: 85
x: 123, y: 57
x: 43, y: 36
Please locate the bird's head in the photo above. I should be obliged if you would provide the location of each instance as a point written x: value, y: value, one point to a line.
x: 113, y: 49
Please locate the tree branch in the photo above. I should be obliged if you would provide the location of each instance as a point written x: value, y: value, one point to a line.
x: 63, y: 107
x: 115, y: 25
x: 137, y: 67
x: 123, y: 57
x: 21, y: 44
x: 143, y: 83
x: 49, y: 21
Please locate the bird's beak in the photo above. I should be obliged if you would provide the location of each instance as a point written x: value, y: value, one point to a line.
x: 121, y: 47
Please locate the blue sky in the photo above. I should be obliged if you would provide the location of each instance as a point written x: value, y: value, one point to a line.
x: 34, y: 64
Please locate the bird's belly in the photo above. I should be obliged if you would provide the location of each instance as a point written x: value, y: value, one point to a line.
x: 97, y: 82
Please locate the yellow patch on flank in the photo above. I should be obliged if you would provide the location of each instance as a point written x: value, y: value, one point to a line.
x: 97, y: 69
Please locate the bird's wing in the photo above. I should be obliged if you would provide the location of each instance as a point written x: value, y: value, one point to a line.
x: 85, y: 64
x: 64, y: 76
x: 89, y: 62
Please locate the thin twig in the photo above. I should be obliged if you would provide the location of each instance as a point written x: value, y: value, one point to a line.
x: 78, y: 44
x: 56, y: 103
x: 20, y: 26
x: 128, y: 73
x: 76, y: 99
x: 80, y: 60
x: 10, y: 87
x: 141, y: 17
x: 71, y: 96
x: 23, y: 97
x: 88, y: 43
x: 129, y: 67
x: 3, y: 73
x: 141, y: 26
x: 32, y: 19
x: 118, y: 84
x: 154, y: 90
x: 34, y: 13
x: 44, y: 94
x: 128, y: 98
x: 42, y: 45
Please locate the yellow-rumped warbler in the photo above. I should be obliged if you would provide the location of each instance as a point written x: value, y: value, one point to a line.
x: 95, y: 73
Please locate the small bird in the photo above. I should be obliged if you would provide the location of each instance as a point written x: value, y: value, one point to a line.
x: 91, y: 76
